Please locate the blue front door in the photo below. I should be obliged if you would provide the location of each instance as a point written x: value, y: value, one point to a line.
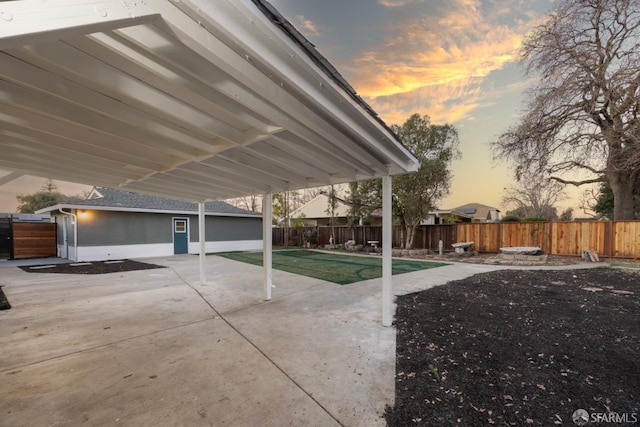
x: 180, y: 236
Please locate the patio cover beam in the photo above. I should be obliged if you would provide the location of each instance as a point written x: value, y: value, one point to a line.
x: 9, y: 177
x: 23, y: 23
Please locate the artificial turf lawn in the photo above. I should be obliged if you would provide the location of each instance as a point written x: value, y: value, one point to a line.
x: 336, y: 268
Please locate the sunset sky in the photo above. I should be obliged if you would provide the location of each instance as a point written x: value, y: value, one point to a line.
x: 454, y: 60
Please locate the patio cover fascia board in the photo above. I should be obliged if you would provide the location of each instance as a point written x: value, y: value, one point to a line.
x: 140, y: 210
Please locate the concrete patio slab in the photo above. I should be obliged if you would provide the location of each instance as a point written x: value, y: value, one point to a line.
x: 156, y: 347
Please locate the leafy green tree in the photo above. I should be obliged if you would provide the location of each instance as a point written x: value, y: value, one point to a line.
x: 603, y: 205
x: 435, y: 146
x: 47, y: 196
x: 279, y: 207
x: 582, y: 115
x: 364, y: 198
x: 414, y: 195
x: 511, y: 218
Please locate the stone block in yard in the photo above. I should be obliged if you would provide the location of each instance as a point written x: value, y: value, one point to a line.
x: 521, y: 250
x: 462, y: 247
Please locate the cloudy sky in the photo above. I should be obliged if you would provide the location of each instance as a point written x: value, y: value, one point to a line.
x: 453, y: 60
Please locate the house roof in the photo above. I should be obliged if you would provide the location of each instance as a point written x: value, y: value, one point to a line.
x: 318, y: 206
x: 445, y: 212
x: 475, y: 210
x: 192, y: 100
x: 119, y: 200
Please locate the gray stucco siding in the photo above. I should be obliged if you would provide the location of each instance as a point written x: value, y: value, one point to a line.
x: 227, y: 228
x: 102, y: 228
x: 106, y: 228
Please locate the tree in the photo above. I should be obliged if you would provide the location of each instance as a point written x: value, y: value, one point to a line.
x: 583, y: 113
x: 603, y: 206
x: 435, y: 146
x: 332, y: 205
x: 534, y: 197
x: 599, y: 201
x: 283, y: 204
x: 566, y: 215
x: 47, y: 196
x: 250, y: 203
x: 414, y: 195
x: 364, y: 197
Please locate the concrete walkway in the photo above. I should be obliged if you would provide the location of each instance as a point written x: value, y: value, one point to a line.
x: 157, y: 348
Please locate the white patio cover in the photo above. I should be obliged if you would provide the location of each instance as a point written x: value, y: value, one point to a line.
x: 194, y: 100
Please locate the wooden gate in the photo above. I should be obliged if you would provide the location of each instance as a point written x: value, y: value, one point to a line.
x: 34, y: 240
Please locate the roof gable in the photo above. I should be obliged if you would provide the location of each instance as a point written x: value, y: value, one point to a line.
x: 318, y: 207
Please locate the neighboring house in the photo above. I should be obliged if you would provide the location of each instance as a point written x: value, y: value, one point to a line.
x: 445, y: 216
x: 480, y: 212
x: 114, y: 224
x: 315, y: 212
x: 471, y: 212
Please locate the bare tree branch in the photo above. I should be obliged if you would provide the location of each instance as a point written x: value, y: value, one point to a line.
x: 578, y: 183
x: 584, y: 110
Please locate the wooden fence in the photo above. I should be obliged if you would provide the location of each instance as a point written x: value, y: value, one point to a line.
x: 427, y: 236
x: 612, y: 239
x: 34, y: 240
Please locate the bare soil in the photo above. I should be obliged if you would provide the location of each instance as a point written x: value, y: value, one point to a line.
x: 4, y: 302
x: 518, y: 348
x: 96, y: 267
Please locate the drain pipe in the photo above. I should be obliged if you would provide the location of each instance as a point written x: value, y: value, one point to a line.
x: 75, y: 231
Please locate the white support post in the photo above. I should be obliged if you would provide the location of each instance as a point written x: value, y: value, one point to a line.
x: 201, y: 239
x: 267, y: 217
x: 387, y: 286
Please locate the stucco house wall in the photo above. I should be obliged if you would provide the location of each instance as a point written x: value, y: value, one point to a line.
x: 109, y: 235
x: 116, y: 225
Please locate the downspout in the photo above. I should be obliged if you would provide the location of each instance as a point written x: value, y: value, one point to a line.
x: 75, y: 231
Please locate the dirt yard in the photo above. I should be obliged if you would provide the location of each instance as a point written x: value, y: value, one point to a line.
x: 516, y: 348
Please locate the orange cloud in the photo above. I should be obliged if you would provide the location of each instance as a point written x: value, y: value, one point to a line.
x: 308, y: 25
x: 395, y: 3
x: 441, y: 58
